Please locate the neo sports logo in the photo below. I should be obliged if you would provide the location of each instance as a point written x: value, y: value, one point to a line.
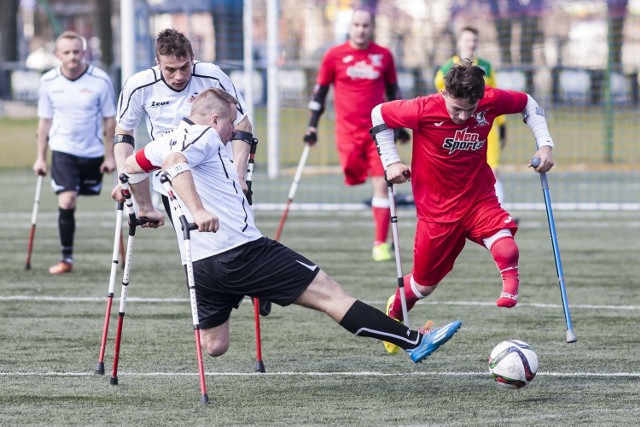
x: 463, y: 140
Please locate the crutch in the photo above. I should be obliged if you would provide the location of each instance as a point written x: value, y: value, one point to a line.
x: 396, y: 247
x: 256, y: 302
x: 34, y: 216
x: 186, y: 233
x: 117, y: 239
x: 133, y: 224
x: 294, y: 187
x: 571, y: 336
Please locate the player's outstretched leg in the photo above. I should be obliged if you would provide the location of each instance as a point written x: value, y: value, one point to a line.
x: 364, y: 320
x: 394, y: 306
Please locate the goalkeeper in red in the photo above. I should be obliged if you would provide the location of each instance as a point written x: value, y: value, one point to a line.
x: 452, y: 183
x: 361, y: 72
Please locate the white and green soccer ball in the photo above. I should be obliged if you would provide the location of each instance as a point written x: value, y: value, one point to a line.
x: 513, y: 364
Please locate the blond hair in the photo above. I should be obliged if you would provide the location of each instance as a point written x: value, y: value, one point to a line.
x: 214, y: 101
x: 72, y: 35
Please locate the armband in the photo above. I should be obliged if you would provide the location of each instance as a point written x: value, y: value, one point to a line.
x: 314, y: 106
x: 128, y: 139
x: 177, y: 169
x: 243, y: 136
x: 136, y: 178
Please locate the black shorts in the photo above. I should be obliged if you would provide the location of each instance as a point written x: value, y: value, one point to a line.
x: 73, y: 173
x: 263, y: 268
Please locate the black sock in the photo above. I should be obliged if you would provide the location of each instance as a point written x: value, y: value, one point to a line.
x: 66, y: 229
x: 365, y: 321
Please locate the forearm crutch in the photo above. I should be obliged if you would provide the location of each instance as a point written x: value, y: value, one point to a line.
x: 186, y: 233
x: 117, y: 239
x: 256, y: 302
x: 396, y: 249
x: 294, y: 187
x: 34, y: 216
x: 571, y: 336
x: 133, y: 224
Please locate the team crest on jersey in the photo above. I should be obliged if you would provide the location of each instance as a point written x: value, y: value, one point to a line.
x: 480, y: 119
x: 192, y: 97
x: 463, y: 140
x: 376, y: 60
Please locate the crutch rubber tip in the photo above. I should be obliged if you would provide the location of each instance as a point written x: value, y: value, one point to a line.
x: 114, y: 380
x: 99, y: 369
x: 260, y: 367
x: 571, y: 337
x: 27, y: 267
x: 204, y: 399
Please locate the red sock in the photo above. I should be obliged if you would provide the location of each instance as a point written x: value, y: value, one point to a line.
x: 410, y: 298
x: 382, y: 219
x: 505, y: 253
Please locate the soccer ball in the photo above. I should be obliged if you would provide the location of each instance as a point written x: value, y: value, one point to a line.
x: 513, y: 364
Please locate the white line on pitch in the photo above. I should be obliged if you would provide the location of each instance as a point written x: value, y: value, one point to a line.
x: 182, y: 300
x: 317, y: 374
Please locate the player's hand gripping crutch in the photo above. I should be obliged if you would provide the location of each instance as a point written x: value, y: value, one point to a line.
x: 264, y: 307
x: 186, y: 233
x: 34, y: 216
x: 571, y: 336
x: 117, y: 240
x: 396, y: 247
x: 134, y: 222
x: 294, y: 187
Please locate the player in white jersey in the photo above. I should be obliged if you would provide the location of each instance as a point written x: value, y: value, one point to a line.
x: 164, y: 94
x: 76, y: 109
x: 230, y: 257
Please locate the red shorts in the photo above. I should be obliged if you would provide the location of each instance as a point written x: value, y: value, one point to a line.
x: 359, y: 157
x: 437, y: 245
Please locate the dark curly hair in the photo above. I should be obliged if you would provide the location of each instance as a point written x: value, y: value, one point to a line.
x: 465, y: 81
x: 173, y: 43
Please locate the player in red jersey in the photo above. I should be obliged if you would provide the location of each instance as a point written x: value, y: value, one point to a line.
x: 361, y: 72
x: 452, y: 183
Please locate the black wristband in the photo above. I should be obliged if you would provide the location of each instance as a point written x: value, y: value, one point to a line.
x: 128, y: 139
x: 243, y: 136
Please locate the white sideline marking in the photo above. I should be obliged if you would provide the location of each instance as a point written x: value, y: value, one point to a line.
x: 184, y: 300
x: 318, y: 374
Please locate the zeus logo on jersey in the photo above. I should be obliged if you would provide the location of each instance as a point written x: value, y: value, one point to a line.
x: 158, y: 103
x: 463, y: 140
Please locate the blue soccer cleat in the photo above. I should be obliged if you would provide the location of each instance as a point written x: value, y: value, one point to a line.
x: 432, y: 340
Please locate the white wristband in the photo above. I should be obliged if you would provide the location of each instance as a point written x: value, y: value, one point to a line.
x: 177, y: 169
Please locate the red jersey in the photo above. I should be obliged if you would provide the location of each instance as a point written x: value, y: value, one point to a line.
x: 449, y: 170
x: 359, y: 78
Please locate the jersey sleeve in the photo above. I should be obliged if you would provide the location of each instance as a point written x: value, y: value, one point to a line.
x: 509, y: 101
x: 107, y: 97
x: 45, y: 108
x: 131, y: 103
x: 326, y: 72
x: 390, y: 75
x: 401, y: 113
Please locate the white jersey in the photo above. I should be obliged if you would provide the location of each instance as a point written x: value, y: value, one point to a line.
x: 216, y: 182
x: 77, y: 109
x: 146, y: 94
